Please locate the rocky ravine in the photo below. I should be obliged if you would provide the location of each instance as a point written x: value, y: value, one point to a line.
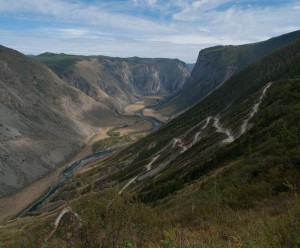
x: 43, y: 120
x: 119, y: 81
x: 215, y: 65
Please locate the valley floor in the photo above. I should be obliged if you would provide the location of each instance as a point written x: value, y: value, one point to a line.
x: 11, y: 206
x: 147, y: 107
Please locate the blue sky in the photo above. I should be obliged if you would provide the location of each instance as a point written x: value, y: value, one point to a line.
x: 145, y: 28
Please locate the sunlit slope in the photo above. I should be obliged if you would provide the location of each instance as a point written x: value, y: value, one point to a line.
x: 223, y: 174
x: 43, y: 120
x: 246, y: 193
x: 116, y: 82
x: 195, y: 136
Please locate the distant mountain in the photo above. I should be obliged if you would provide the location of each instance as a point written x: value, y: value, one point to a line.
x: 225, y: 173
x: 221, y: 115
x: 43, y: 120
x: 231, y: 159
x: 118, y: 81
x: 217, y: 64
x: 191, y: 66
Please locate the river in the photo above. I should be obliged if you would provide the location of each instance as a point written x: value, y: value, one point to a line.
x: 64, y: 177
x: 156, y: 124
x: 67, y: 173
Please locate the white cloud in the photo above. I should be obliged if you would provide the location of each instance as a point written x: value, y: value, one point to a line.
x: 111, y: 29
x: 196, y: 9
x: 198, y: 39
x: 57, y: 42
x: 152, y: 2
x: 70, y: 33
x: 80, y: 13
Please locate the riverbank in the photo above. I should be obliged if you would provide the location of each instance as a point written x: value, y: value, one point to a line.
x: 63, y: 178
x: 12, y: 205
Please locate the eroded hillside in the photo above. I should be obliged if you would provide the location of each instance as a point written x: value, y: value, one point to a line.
x: 117, y: 82
x: 43, y: 122
x: 223, y: 174
x: 215, y: 65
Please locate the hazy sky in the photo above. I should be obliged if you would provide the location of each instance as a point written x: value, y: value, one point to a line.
x: 145, y: 28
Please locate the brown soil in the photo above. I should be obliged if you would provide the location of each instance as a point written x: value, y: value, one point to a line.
x: 158, y: 116
x: 139, y: 127
x: 12, y: 205
x: 132, y: 108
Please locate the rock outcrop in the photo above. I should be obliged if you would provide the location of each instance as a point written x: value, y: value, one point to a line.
x: 43, y: 120
x: 217, y: 64
x: 117, y: 82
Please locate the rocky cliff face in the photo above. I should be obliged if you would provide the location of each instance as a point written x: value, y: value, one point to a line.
x: 119, y: 81
x: 163, y: 76
x: 217, y: 64
x: 43, y: 120
x: 188, y: 145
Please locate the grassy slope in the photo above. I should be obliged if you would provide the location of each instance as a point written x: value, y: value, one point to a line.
x: 242, y: 181
x: 240, y: 195
x: 247, y: 198
x: 127, y: 163
x: 60, y: 64
x: 281, y: 64
x: 212, y: 66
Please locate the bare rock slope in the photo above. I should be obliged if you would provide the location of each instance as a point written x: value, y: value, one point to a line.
x: 43, y: 120
x: 118, y: 81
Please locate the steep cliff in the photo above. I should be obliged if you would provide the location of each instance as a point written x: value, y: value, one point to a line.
x: 227, y: 167
x: 217, y: 64
x: 43, y: 120
x: 118, y: 81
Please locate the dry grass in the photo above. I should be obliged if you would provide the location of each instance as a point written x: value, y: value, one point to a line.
x: 133, y: 108
x: 127, y: 223
x: 12, y: 205
x: 159, y: 116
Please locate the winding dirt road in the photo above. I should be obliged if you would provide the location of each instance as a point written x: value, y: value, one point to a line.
x: 254, y: 110
x: 176, y: 141
x: 223, y: 130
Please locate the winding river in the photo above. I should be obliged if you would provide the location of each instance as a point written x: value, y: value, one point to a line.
x: 156, y: 124
x: 64, y: 177
x: 67, y: 173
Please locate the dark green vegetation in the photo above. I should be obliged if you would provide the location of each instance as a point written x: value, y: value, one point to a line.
x: 217, y: 64
x: 111, y: 142
x: 116, y: 140
x: 267, y: 156
x: 60, y: 64
x: 199, y: 181
x: 246, y: 199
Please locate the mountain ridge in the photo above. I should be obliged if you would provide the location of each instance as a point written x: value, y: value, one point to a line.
x: 225, y: 173
x: 46, y: 120
x: 217, y: 64
x: 216, y: 115
x: 118, y: 81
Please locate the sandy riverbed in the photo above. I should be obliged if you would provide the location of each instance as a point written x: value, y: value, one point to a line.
x: 14, y: 204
